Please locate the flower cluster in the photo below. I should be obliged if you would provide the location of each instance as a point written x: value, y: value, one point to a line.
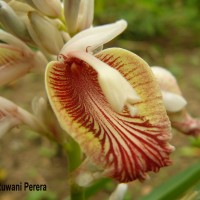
x: 109, y: 101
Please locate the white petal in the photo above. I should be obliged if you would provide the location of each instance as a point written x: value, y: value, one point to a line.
x: 92, y: 38
x: 173, y: 102
x: 132, y: 110
x: 119, y: 192
x: 160, y: 72
x: 115, y: 87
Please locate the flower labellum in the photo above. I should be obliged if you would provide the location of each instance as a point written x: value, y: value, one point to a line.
x: 175, y: 103
x: 111, y: 104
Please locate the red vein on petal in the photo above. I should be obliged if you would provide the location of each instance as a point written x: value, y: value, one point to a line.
x: 129, y: 146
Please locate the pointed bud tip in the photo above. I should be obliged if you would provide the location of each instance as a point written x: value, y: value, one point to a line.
x: 123, y: 23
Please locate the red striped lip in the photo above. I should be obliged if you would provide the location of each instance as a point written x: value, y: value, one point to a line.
x: 122, y: 146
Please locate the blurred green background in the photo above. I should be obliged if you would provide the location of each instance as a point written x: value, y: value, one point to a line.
x: 166, y: 21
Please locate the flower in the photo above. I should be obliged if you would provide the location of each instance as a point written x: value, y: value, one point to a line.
x: 42, y: 31
x: 16, y: 58
x: 111, y: 104
x: 12, y: 115
x: 12, y: 23
x: 175, y: 103
x: 51, y: 8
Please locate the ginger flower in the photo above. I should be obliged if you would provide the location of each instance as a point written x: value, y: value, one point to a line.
x: 111, y: 104
x: 175, y: 103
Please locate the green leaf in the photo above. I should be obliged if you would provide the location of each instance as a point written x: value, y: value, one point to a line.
x: 41, y: 195
x: 97, y: 186
x: 177, y: 185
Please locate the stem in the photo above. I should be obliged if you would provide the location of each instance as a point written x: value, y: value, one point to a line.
x: 77, y: 192
x: 74, y: 155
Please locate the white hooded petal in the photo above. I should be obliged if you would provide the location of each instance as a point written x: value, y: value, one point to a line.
x: 92, y: 38
x: 173, y: 102
x: 115, y: 87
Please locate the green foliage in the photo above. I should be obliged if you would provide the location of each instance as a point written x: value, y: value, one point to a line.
x: 41, y: 195
x: 46, y: 152
x: 195, y: 142
x: 172, y: 19
x: 99, y: 185
x: 196, y: 81
x: 177, y: 185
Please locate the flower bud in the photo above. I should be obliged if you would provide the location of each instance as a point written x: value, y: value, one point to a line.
x: 41, y: 110
x: 12, y: 115
x: 50, y: 8
x: 86, y: 13
x: 12, y: 40
x: 30, y: 2
x: 11, y: 22
x: 16, y: 58
x: 44, y: 33
x: 7, y: 122
x: 78, y: 14
x: 175, y: 103
x: 21, y: 9
x: 71, y: 10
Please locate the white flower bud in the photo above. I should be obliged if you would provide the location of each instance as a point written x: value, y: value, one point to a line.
x: 12, y: 23
x: 50, y: 8
x: 44, y: 33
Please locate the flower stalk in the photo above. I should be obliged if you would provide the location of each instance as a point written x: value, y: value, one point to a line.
x: 75, y: 157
